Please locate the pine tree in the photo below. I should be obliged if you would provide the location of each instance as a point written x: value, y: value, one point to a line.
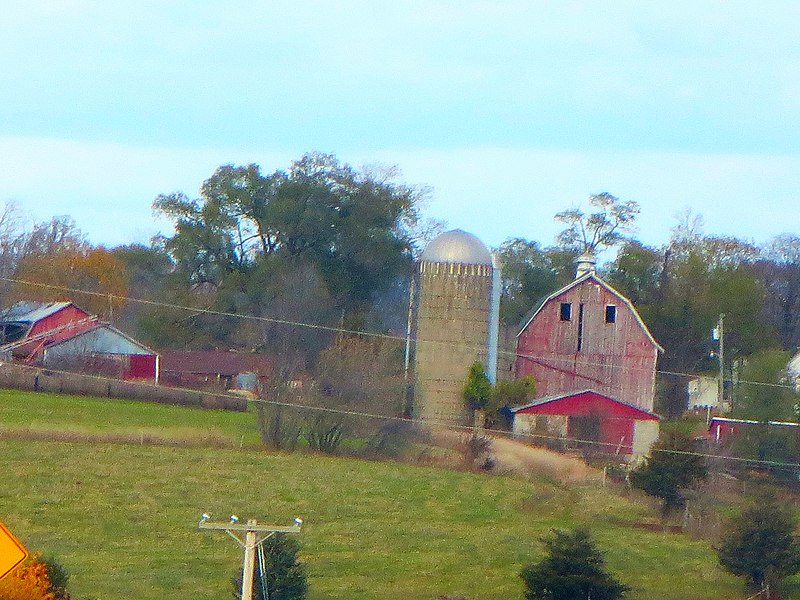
x: 574, y: 569
x: 761, y: 545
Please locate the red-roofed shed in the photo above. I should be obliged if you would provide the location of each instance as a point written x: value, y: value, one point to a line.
x: 610, y: 425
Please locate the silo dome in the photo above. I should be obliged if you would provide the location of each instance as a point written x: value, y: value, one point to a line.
x: 457, y: 246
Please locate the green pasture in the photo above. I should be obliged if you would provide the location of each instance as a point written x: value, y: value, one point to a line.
x: 122, y: 517
x: 43, y: 413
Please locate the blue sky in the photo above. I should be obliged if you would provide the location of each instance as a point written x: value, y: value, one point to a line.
x: 511, y: 111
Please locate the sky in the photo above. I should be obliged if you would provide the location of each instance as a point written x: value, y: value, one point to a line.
x: 509, y: 111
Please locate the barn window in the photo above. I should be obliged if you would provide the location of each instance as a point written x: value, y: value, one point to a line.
x: 566, y: 311
x: 611, y: 313
x: 580, y: 327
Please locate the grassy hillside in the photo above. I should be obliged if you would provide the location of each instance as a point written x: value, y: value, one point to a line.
x: 122, y: 517
x: 22, y: 411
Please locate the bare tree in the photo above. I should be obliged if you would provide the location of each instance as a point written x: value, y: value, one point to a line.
x: 607, y: 226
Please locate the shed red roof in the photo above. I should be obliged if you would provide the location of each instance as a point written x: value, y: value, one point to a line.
x: 585, y: 402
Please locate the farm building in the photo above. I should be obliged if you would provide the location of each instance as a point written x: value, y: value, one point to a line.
x: 703, y: 392
x: 456, y: 323
x: 588, y: 335
x: 722, y: 429
x: 216, y: 369
x: 61, y: 335
x: 29, y: 326
x: 608, y: 425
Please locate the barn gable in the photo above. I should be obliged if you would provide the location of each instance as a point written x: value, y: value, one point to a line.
x: 589, y: 276
x: 588, y: 335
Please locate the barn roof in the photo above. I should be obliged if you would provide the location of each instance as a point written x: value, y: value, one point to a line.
x: 215, y: 362
x: 97, y: 325
x: 750, y: 422
x: 579, y: 281
x: 540, y: 402
x: 31, y: 312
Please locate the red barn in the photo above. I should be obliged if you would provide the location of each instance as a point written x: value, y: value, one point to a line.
x: 594, y: 420
x: 60, y: 335
x: 722, y: 429
x: 588, y: 335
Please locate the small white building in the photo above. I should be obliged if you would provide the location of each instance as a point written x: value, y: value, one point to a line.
x: 703, y: 394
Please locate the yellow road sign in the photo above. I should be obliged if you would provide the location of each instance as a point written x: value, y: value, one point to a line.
x: 12, y: 552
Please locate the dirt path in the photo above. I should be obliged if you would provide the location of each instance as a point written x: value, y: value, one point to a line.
x: 522, y: 459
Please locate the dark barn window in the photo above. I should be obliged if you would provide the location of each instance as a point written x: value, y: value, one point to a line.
x: 566, y: 311
x: 611, y: 313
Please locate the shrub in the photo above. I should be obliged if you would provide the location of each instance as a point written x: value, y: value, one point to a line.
x: 672, y: 467
x: 476, y: 448
x: 277, y: 431
x: 761, y: 545
x: 36, y: 579
x: 391, y: 440
x: 323, y: 436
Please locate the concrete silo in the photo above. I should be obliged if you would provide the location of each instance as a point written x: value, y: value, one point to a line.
x: 455, y: 325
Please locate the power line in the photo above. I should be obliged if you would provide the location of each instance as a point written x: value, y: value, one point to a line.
x: 448, y: 426
x: 344, y: 330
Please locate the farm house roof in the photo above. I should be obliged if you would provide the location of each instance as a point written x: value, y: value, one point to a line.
x: 215, y: 362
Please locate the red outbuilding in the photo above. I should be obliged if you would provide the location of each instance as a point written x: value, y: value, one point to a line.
x: 60, y: 335
x: 722, y: 429
x: 588, y: 335
x: 589, y: 419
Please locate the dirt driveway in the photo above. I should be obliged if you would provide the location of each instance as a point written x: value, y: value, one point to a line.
x: 519, y: 458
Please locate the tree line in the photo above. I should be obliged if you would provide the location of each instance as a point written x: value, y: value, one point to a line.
x: 324, y: 243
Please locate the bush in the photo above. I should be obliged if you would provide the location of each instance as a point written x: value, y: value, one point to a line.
x: 574, y: 569
x: 477, y: 447
x: 284, y: 577
x: 477, y: 390
x: 391, y: 440
x: 323, y: 436
x: 761, y: 546
x: 36, y: 579
x: 277, y: 431
x: 59, y: 578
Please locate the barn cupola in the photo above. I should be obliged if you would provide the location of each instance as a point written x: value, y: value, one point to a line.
x: 585, y: 263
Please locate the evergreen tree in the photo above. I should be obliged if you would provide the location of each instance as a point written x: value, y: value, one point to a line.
x: 284, y: 577
x: 761, y: 545
x: 671, y: 467
x: 574, y: 569
x: 478, y: 388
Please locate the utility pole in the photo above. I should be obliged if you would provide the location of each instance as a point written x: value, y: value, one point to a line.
x: 719, y: 333
x: 249, y: 537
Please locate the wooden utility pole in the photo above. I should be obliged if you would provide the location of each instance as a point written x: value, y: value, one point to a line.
x: 721, y: 337
x: 249, y: 537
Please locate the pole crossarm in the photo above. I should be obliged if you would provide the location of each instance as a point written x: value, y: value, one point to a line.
x: 244, y: 527
x: 249, y: 536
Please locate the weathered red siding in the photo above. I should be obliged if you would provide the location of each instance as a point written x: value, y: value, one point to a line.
x: 141, y: 366
x: 59, y: 326
x: 618, y: 359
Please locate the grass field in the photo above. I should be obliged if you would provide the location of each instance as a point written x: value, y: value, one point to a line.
x: 122, y: 517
